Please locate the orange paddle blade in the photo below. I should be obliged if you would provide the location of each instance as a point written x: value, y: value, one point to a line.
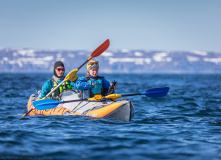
x: 103, y: 47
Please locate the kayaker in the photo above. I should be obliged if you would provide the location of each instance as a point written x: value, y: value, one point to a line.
x: 57, y: 78
x: 92, y: 84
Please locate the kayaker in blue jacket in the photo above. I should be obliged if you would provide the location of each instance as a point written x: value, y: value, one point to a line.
x: 93, y: 84
x: 57, y: 78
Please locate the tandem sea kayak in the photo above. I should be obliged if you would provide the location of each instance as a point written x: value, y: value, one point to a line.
x: 122, y: 110
x: 98, y: 106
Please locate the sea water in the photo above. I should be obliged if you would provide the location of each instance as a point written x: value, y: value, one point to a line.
x: 185, y: 124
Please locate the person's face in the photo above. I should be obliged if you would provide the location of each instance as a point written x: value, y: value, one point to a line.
x: 94, y: 71
x: 59, y: 71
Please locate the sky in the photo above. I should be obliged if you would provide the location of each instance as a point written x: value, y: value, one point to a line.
x: 171, y: 25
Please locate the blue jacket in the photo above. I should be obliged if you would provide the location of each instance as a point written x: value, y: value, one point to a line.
x: 82, y: 84
x: 48, y: 85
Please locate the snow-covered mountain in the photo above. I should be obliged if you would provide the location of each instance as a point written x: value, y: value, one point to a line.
x: 118, y: 61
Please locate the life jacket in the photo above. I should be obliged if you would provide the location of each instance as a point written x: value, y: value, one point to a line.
x: 96, y: 89
x: 57, y: 92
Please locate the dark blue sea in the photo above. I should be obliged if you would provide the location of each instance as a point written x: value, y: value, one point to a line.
x: 185, y: 124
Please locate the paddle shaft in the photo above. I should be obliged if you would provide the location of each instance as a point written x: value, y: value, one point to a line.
x: 27, y: 113
x: 152, y: 93
x: 74, y: 100
x: 83, y: 64
x: 54, y: 89
x: 134, y: 94
x: 77, y: 100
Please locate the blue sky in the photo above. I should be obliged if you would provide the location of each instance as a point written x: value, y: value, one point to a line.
x: 129, y: 24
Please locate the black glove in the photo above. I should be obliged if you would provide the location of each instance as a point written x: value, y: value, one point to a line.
x: 112, y: 86
x: 114, y: 83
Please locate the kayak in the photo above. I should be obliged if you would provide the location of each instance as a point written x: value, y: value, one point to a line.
x: 122, y: 110
x: 100, y: 107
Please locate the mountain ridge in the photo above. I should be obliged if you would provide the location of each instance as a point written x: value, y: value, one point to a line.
x: 117, y: 61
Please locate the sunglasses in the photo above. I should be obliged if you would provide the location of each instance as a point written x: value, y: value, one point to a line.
x: 92, y: 63
x: 60, y: 69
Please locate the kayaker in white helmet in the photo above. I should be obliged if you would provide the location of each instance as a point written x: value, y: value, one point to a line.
x: 57, y: 78
x: 92, y: 84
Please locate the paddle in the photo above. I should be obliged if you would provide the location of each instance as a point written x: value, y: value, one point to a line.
x: 51, y: 103
x: 152, y: 93
x: 72, y: 75
x: 27, y: 112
